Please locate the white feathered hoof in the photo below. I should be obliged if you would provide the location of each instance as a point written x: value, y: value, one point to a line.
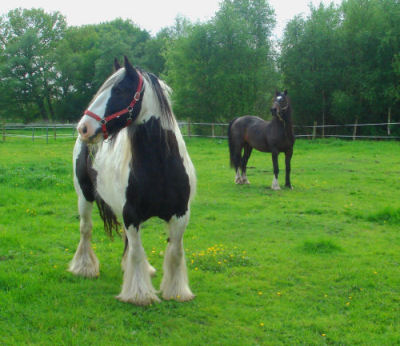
x: 183, y: 294
x: 86, y: 265
x: 238, y: 180
x: 275, y: 185
x: 245, y: 181
x: 138, y: 298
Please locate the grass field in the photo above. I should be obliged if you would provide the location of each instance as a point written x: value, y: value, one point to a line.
x: 316, y: 265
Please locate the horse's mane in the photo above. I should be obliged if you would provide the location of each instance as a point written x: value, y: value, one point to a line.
x: 162, y: 92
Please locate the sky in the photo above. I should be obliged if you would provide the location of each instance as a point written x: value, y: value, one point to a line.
x: 152, y: 15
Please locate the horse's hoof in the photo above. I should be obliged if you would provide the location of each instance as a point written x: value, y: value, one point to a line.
x: 140, y: 300
x: 185, y: 296
x: 238, y: 181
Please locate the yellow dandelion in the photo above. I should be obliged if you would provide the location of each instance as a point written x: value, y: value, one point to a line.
x: 279, y: 293
x: 348, y: 303
x: 323, y: 334
x: 260, y: 293
x: 196, y: 268
x: 219, y: 262
x: 262, y: 324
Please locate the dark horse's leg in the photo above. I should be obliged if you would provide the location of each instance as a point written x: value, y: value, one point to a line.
x: 237, y: 163
x: 245, y: 159
x: 288, y: 157
x: 275, y: 184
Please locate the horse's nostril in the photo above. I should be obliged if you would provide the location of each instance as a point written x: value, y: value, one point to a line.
x: 84, y: 130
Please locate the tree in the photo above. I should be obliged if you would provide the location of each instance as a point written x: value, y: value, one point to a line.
x: 27, y: 70
x: 224, y: 68
x: 311, y: 62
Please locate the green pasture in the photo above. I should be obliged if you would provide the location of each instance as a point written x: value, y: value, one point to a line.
x: 319, y: 264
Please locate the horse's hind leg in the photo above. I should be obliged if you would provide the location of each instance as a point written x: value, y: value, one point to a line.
x: 136, y: 287
x: 275, y: 183
x: 175, y: 283
x: 85, y: 262
x: 245, y: 159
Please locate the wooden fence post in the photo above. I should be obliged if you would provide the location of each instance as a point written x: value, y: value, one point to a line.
x: 389, y: 119
x: 188, y: 127
x: 4, y: 131
x: 55, y: 132
x: 355, y: 130
x: 314, y: 130
x: 212, y: 130
x: 33, y: 134
x: 47, y: 135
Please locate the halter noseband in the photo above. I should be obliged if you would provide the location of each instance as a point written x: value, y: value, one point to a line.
x: 128, y: 109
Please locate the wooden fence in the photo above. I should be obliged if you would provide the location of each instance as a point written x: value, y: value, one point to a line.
x: 212, y: 130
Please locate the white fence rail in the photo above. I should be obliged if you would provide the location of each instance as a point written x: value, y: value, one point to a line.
x: 210, y: 130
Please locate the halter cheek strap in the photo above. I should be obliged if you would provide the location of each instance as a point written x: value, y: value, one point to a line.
x: 128, y: 109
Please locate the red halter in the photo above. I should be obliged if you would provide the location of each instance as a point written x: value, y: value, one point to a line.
x: 128, y: 109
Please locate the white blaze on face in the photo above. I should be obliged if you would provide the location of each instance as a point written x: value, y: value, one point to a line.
x: 87, y: 126
x: 98, y: 107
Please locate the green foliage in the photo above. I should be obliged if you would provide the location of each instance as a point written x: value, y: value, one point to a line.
x: 296, y: 266
x: 29, y: 39
x: 224, y: 68
x: 340, y: 63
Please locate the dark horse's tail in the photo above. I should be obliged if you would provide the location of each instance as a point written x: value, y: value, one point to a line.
x: 233, y: 158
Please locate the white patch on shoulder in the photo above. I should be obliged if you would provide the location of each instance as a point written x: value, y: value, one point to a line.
x: 112, y: 165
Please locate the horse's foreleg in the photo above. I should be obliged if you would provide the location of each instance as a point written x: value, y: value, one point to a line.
x: 175, y: 283
x: 85, y: 262
x: 288, y: 157
x: 275, y: 183
x: 151, y: 269
x: 136, y: 287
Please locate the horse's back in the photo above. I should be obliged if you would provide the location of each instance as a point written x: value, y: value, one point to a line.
x: 252, y: 130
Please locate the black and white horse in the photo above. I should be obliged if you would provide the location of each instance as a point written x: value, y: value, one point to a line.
x: 142, y: 170
x: 275, y: 136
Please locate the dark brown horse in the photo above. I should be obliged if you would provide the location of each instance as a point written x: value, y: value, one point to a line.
x: 275, y: 136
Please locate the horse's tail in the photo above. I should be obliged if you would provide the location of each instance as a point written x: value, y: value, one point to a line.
x: 110, y: 220
x: 232, y: 156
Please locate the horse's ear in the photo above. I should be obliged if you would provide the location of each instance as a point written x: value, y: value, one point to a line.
x: 117, y: 66
x: 285, y: 92
x: 130, y: 70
